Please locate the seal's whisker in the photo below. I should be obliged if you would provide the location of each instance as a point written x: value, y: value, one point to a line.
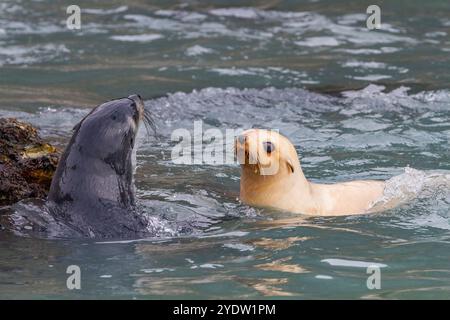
x: 147, y: 128
x: 149, y: 122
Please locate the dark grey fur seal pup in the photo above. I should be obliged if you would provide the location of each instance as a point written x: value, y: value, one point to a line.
x: 92, y: 191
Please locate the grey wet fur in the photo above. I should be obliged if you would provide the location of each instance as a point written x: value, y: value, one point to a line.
x: 92, y: 191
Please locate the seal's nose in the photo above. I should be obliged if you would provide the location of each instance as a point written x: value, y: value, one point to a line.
x: 136, y: 98
x: 139, y: 104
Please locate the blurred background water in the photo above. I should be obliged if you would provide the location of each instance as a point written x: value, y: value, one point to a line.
x: 357, y: 104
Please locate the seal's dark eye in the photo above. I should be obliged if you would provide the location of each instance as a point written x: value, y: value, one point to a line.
x: 269, y: 146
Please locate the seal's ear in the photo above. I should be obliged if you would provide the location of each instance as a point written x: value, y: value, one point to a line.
x: 290, y: 165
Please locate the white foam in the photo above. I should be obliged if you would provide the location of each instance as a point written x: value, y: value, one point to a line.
x: 157, y: 270
x: 197, y: 50
x: 233, y: 71
x: 227, y: 234
x: 31, y: 54
x: 401, y: 188
x: 322, y: 276
x: 239, y: 246
x: 364, y: 64
x: 105, y: 11
x: 353, y: 263
x: 318, y: 42
x: 211, y: 266
x: 138, y: 38
x: 373, y: 77
x: 243, y: 13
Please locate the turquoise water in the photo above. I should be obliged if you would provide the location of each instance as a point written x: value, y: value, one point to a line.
x: 357, y: 104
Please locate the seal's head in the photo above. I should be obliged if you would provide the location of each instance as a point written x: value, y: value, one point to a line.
x: 270, y: 166
x: 266, y: 153
x: 93, y: 185
x: 109, y: 131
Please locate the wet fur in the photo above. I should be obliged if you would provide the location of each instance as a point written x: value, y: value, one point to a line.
x: 92, y: 190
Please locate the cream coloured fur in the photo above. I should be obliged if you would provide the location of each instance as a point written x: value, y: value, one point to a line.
x: 275, y: 179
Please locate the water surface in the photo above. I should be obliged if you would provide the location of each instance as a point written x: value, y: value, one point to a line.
x: 357, y: 104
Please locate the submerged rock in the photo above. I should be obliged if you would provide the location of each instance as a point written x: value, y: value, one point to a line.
x: 27, y: 162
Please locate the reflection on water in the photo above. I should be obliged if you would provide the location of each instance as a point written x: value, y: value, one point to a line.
x: 270, y: 287
x: 388, y: 110
x: 281, y: 266
x: 277, y: 244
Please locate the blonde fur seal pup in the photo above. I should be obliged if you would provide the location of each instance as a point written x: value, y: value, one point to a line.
x: 272, y: 177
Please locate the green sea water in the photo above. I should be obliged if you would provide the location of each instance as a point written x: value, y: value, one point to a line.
x: 357, y: 104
